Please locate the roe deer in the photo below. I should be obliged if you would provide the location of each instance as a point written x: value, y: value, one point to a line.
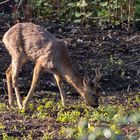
x: 27, y: 41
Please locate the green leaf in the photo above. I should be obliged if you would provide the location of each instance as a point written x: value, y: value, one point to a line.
x: 138, y: 1
x: 72, y: 4
x: 77, y: 21
x: 77, y: 14
x: 104, y: 4
x: 138, y: 9
x: 81, y: 4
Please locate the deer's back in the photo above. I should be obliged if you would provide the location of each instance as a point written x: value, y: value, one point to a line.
x: 34, y: 42
x: 29, y: 38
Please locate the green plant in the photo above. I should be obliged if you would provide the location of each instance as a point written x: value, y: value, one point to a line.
x: 98, y: 13
x: 2, y: 106
x: 6, y: 137
x: 68, y: 116
x: 50, y: 120
x: 2, y: 126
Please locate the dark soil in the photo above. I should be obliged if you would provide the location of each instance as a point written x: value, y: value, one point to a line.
x: 116, y: 51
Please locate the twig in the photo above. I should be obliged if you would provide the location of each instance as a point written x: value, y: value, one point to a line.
x: 132, y: 62
x: 95, y: 18
x: 4, y: 2
x: 129, y: 14
x: 132, y: 38
x: 60, y: 36
x: 128, y: 89
x: 19, y: 4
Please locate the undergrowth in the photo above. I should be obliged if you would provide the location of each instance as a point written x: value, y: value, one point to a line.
x: 51, y: 120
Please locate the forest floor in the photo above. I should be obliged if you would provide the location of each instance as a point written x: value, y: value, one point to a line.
x: 115, y: 50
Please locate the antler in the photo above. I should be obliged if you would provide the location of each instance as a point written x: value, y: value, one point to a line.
x: 98, y: 76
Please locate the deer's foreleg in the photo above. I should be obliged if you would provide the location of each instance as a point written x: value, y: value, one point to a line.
x: 59, y: 83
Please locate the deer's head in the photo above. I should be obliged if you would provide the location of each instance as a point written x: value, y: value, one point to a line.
x: 91, y: 90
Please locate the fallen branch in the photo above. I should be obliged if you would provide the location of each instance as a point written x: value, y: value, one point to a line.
x: 19, y: 4
x: 132, y: 62
x: 130, y: 39
x: 4, y: 2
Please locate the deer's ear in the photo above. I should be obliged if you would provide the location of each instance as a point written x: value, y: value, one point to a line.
x: 86, y: 80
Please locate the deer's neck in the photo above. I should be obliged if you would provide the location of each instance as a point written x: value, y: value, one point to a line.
x: 74, y: 78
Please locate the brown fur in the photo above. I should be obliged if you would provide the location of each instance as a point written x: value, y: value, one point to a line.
x: 26, y: 41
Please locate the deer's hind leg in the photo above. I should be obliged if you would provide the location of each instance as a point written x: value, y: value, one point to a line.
x: 10, y: 86
x: 36, y: 73
x: 17, y: 62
